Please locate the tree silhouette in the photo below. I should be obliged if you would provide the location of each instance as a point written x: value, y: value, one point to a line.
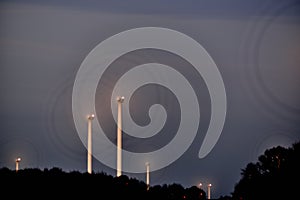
x: 272, y: 177
x: 54, y: 183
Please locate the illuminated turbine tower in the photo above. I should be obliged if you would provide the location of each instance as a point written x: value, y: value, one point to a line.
x: 147, y: 175
x: 208, y: 191
x: 89, y: 144
x: 17, y: 163
x: 120, y: 100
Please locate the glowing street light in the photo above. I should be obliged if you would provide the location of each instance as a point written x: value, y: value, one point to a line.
x: 89, y: 144
x: 120, y: 100
x: 17, y: 163
x: 200, y: 185
x: 208, y: 191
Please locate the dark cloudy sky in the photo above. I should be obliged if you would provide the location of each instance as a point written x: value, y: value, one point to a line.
x: 255, y: 45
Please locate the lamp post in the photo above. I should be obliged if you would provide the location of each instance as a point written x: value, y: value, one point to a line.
x: 120, y: 100
x: 17, y: 163
x: 208, y: 191
x: 200, y: 187
x: 89, y: 144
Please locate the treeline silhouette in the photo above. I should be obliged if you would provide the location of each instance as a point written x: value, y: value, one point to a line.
x: 55, y: 183
x: 274, y: 176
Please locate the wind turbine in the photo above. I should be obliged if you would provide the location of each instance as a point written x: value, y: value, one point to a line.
x: 120, y: 100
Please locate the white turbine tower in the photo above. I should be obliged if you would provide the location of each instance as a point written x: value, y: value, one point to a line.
x: 147, y: 175
x: 89, y: 144
x: 120, y: 100
x: 208, y: 191
x: 18, y: 160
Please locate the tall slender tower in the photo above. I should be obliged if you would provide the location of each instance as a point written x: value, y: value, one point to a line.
x: 208, y: 191
x: 120, y: 100
x: 147, y: 175
x: 89, y: 144
x: 18, y: 160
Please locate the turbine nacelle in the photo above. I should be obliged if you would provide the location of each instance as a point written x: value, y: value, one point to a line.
x: 91, y: 117
x: 120, y: 99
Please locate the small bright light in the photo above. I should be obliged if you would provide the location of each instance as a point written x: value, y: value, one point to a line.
x: 120, y: 99
x: 92, y: 116
x: 209, y: 185
x: 18, y: 159
x: 200, y: 184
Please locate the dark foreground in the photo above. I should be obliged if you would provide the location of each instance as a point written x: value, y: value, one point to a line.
x: 274, y: 176
x: 57, y: 184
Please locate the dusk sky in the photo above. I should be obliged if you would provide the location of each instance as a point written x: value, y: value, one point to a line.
x: 254, y: 44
